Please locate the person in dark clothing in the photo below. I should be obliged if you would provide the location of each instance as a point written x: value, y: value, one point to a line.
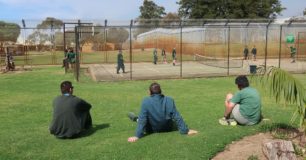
x: 71, y: 114
x: 174, y: 56
x: 10, y: 65
x: 246, y: 53
x: 293, y: 53
x: 71, y: 56
x: 155, y: 56
x: 65, y: 60
x: 120, y: 62
x: 254, y: 52
x: 163, y: 55
x: 158, y: 114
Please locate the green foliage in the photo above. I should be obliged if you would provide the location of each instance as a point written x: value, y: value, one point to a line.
x: 304, y: 12
x: 253, y: 157
x: 117, y: 35
x: 242, y: 9
x: 171, y: 19
x: 50, y: 23
x: 149, y: 10
x: 9, y: 31
x: 282, y: 85
x: 149, y: 15
x: 297, y: 150
x: 37, y: 38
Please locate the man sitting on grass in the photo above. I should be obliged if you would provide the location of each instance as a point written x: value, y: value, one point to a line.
x: 244, y: 107
x: 157, y: 115
x: 71, y: 114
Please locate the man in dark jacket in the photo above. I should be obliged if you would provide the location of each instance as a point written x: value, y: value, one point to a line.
x: 120, y: 62
x: 246, y: 53
x: 174, y: 56
x: 158, y: 112
x: 71, y: 114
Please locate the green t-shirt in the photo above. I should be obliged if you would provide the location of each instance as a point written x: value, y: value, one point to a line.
x: 292, y: 50
x: 250, y: 104
x: 71, y: 57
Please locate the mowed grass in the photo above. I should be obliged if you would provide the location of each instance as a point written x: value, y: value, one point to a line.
x: 25, y: 113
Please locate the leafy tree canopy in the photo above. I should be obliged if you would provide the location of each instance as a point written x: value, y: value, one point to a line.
x: 149, y: 10
x: 117, y: 35
x: 229, y: 9
x: 50, y: 23
x: 9, y: 31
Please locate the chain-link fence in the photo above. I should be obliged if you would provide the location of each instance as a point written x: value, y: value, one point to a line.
x: 154, y: 49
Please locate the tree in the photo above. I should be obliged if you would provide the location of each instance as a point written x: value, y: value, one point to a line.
x: 229, y: 9
x: 37, y: 38
x: 149, y: 15
x: 304, y: 12
x: 149, y: 10
x: 283, y: 85
x: 47, y: 31
x: 117, y: 36
x: 50, y: 23
x: 9, y: 31
x: 171, y: 18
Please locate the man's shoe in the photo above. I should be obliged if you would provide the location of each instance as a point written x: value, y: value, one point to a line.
x: 227, y: 122
x: 132, y: 116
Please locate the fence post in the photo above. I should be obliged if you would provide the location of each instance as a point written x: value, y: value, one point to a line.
x: 105, y: 41
x: 266, y: 49
x: 77, y: 62
x: 131, y: 56
x: 280, y: 45
x: 228, y: 48
x: 181, y: 49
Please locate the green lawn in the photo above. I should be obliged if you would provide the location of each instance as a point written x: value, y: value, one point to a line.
x: 25, y: 113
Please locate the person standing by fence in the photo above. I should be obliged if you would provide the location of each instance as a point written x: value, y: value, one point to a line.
x: 164, y: 57
x: 246, y: 53
x: 293, y: 53
x: 254, y: 52
x: 71, y: 56
x: 173, y: 56
x: 120, y: 62
x: 65, y: 60
x: 155, y: 56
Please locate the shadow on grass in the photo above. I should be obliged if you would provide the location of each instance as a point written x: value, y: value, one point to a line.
x: 270, y: 127
x: 92, y: 130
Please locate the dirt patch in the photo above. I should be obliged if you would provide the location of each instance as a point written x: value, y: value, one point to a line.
x: 246, y: 148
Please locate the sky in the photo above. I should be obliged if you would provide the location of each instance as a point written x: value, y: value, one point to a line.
x: 100, y: 9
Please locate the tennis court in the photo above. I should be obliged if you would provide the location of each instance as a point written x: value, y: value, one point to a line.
x: 188, y: 69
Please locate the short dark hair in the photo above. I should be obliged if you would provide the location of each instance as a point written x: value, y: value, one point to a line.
x: 242, y: 81
x: 66, y: 86
x: 155, y: 88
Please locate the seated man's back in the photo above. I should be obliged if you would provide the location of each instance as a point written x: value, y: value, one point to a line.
x: 159, y: 111
x: 70, y: 115
x: 157, y: 114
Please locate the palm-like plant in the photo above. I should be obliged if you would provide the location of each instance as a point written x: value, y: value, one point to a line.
x: 282, y: 85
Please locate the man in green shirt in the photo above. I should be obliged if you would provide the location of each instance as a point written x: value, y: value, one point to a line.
x: 293, y: 53
x: 244, y: 107
x: 71, y: 56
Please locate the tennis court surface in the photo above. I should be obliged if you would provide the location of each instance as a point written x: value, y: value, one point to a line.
x: 188, y: 69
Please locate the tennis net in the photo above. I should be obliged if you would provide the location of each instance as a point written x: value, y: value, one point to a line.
x: 219, y: 62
